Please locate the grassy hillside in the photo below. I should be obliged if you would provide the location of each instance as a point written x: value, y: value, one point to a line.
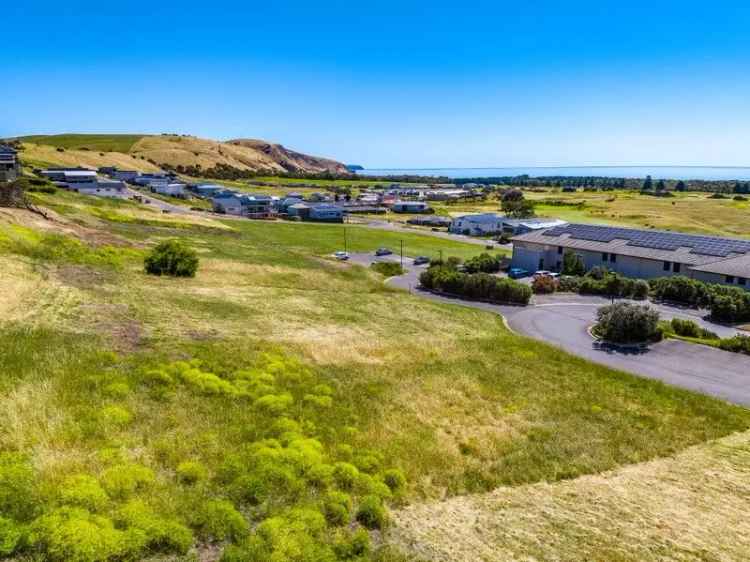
x: 267, y: 401
x: 98, y: 143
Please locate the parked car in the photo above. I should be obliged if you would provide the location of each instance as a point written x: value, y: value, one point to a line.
x: 343, y: 256
x: 545, y: 273
x: 421, y: 260
x: 517, y: 273
x: 383, y: 252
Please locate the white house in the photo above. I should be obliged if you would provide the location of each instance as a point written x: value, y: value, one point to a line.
x: 477, y: 225
x: 101, y: 188
x: 171, y: 189
x: 411, y: 207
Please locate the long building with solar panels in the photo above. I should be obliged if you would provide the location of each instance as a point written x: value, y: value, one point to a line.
x: 642, y: 254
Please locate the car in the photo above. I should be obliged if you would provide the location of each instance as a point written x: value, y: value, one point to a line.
x: 517, y: 273
x: 343, y: 256
x: 421, y: 260
x: 545, y: 273
x: 383, y: 252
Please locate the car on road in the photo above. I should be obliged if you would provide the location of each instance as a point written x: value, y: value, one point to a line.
x: 383, y: 252
x: 421, y: 260
x: 517, y: 273
x: 545, y: 273
x: 343, y: 256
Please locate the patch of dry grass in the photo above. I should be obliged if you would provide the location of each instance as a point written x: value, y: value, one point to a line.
x: 692, y: 506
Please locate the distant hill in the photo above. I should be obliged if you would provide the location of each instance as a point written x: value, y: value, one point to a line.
x: 179, y: 152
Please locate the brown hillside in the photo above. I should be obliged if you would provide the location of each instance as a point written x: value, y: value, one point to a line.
x: 290, y: 159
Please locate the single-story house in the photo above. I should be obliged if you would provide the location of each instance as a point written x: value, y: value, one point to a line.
x: 227, y: 203
x: 148, y: 179
x: 325, y: 212
x: 432, y: 220
x: 75, y: 180
x: 284, y: 204
x: 124, y: 175
x: 478, y: 225
x: 207, y: 190
x: 415, y: 207
x: 10, y: 166
x: 643, y: 254
x: 521, y: 226
x: 58, y: 174
x: 171, y: 189
x: 101, y: 188
x: 257, y: 206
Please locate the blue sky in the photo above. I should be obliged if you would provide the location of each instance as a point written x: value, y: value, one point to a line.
x: 394, y: 84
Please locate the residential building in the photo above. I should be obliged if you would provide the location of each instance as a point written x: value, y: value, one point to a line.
x: 415, y: 207
x: 75, y: 180
x: 521, y: 226
x: 326, y: 212
x: 148, y: 179
x: 643, y: 254
x: 478, y: 225
x: 100, y: 188
x: 284, y: 204
x: 251, y: 206
x: 171, y: 189
x: 124, y: 175
x: 434, y: 221
x: 227, y: 203
x: 59, y: 174
x: 207, y: 190
x: 10, y: 166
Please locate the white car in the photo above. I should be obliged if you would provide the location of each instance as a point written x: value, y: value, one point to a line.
x: 545, y: 273
x: 343, y: 256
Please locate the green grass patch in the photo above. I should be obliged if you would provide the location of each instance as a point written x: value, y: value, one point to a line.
x: 388, y: 269
x: 95, y: 143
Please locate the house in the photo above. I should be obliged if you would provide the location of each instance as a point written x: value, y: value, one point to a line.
x: 415, y: 207
x: 101, y: 188
x: 171, y: 189
x: 207, y: 191
x: 227, y: 203
x: 643, y: 254
x: 521, y: 226
x: 326, y: 212
x: 477, y: 225
x: 124, y: 175
x: 148, y: 179
x: 75, y: 180
x: 433, y: 221
x: 10, y: 166
x: 257, y: 206
x: 284, y: 204
x: 58, y: 174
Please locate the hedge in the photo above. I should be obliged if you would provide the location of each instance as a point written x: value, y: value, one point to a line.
x: 445, y: 278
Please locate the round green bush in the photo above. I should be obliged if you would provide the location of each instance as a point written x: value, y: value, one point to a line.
x: 337, y: 508
x: 395, y: 480
x: 190, y: 472
x: 10, y: 536
x: 625, y: 322
x: 371, y: 513
x: 172, y: 258
x: 219, y: 520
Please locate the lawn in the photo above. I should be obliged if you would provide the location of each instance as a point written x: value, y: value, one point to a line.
x: 315, y: 380
x: 98, y: 143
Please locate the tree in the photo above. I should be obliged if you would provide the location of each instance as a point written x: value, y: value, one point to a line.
x: 515, y: 205
x: 660, y: 185
x: 648, y: 185
x: 573, y: 264
x: 680, y: 186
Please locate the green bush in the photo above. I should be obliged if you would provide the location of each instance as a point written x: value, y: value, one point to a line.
x: 345, y: 475
x: 569, y: 284
x: 218, y: 520
x: 83, y: 490
x: 483, y: 286
x: 172, y: 258
x: 337, y: 508
x: 394, y: 478
x: 543, y: 285
x: 11, y: 535
x: 483, y: 263
x: 738, y: 344
x: 573, y: 264
x: 640, y: 289
x: 690, y: 329
x: 191, y: 472
x: 371, y: 513
x: 680, y: 289
x: 151, y: 531
x: 388, y: 268
x: 121, y: 481
x: 17, y: 486
x: 627, y: 323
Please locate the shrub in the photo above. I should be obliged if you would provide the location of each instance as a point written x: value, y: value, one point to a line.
x: 569, y: 284
x: 738, y: 344
x: 11, y: 534
x: 218, y: 520
x: 483, y: 263
x: 598, y: 272
x: 640, y: 289
x: 627, y: 323
x: 172, y: 258
x: 371, y: 513
x: 387, y: 269
x: 152, y: 531
x: 345, y: 475
x: 482, y: 286
x: 337, y: 508
x: 680, y: 289
x: 353, y: 546
x: 395, y: 480
x: 729, y: 304
x: 17, y: 486
x: 543, y: 284
x: 83, y: 490
x: 690, y: 329
x: 190, y: 472
x: 123, y: 480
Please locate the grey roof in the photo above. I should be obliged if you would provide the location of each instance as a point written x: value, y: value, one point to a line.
x: 5, y: 149
x: 481, y: 218
x: 535, y: 222
x: 702, y: 253
x: 737, y: 267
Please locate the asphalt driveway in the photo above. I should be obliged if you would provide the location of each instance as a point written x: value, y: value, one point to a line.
x: 563, y: 320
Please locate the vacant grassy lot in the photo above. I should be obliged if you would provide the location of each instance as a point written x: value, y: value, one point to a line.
x: 293, y: 346
x: 99, y: 143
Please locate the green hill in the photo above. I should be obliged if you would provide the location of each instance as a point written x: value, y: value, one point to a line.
x: 101, y: 143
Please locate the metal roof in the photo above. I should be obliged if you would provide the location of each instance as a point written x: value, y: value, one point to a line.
x: 481, y: 218
x: 737, y: 267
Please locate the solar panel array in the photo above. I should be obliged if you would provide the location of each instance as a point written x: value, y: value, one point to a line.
x: 657, y: 240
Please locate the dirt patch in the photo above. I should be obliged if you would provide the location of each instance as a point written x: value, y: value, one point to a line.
x: 83, y: 277
x: 116, y: 322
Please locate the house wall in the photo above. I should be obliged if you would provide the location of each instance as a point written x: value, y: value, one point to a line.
x: 720, y: 279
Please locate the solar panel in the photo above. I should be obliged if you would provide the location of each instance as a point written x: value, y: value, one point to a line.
x: 657, y: 240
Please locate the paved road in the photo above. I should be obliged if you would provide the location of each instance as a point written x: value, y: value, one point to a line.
x: 396, y: 227
x: 563, y: 321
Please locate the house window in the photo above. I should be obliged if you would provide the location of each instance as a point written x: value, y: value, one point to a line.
x: 666, y: 266
x: 605, y: 256
x: 730, y: 279
x: 613, y: 258
x: 741, y: 281
x: 676, y: 267
x: 560, y: 250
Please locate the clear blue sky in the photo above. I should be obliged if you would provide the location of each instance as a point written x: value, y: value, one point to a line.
x: 394, y: 84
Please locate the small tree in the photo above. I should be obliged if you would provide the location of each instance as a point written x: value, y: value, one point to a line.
x: 680, y: 186
x: 572, y: 264
x: 515, y: 205
x: 172, y: 258
x: 648, y: 184
x: 625, y: 322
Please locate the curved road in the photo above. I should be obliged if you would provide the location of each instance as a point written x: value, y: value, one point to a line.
x: 563, y: 321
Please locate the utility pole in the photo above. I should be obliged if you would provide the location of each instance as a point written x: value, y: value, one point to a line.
x: 402, y: 254
x: 345, y: 245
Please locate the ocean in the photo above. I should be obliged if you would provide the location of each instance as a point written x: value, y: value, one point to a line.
x: 656, y: 172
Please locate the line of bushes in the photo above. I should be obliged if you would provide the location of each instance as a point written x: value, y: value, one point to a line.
x: 727, y: 304
x: 444, y: 277
x: 600, y: 281
x: 692, y: 331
